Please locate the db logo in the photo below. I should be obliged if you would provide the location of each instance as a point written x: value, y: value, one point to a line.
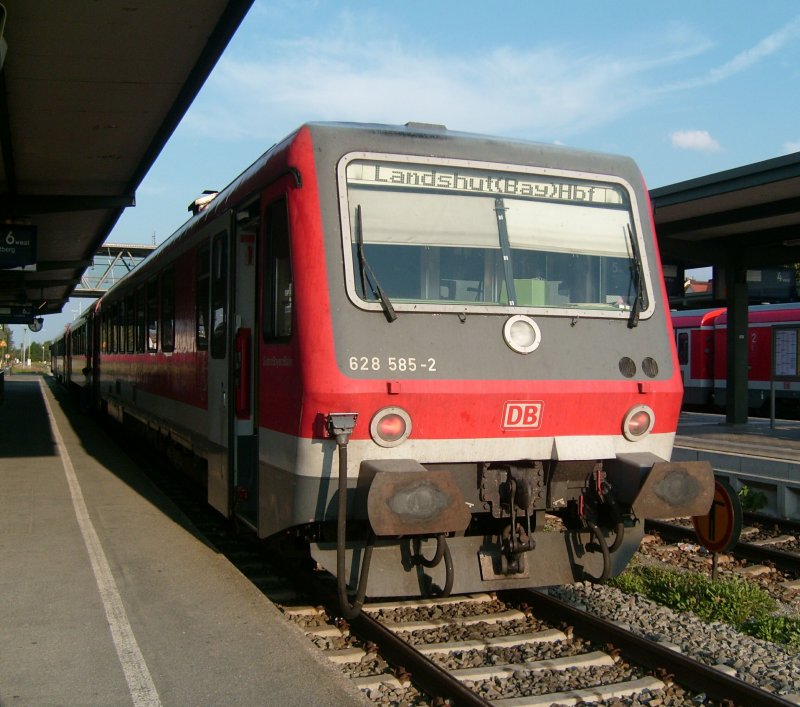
x: 518, y: 414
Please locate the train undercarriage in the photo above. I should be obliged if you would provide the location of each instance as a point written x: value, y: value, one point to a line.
x: 466, y: 528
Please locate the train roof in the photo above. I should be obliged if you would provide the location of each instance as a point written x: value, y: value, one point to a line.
x: 784, y: 312
x: 780, y: 312
x: 432, y: 140
x: 695, y: 317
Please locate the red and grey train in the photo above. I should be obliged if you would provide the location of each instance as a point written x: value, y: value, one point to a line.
x: 702, y: 341
x: 404, y: 346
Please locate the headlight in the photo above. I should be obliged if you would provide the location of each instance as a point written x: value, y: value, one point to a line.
x: 638, y: 422
x: 390, y: 426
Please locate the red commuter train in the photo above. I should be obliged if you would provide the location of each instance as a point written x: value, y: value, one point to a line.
x: 702, y: 340
x: 404, y: 346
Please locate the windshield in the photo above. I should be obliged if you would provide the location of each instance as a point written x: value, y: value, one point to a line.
x: 442, y: 234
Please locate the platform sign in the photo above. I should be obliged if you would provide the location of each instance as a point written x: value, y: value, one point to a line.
x: 719, y: 529
x: 17, y: 245
x: 16, y: 314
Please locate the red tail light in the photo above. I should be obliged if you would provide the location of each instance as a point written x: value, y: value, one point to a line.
x: 390, y: 427
x: 638, y: 422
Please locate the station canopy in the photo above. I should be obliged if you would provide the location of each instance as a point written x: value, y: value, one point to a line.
x: 740, y: 222
x: 90, y: 92
x: 748, y: 217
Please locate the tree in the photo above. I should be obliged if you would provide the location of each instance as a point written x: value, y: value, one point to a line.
x: 36, y: 352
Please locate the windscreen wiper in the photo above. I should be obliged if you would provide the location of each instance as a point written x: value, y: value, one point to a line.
x: 505, y: 247
x: 368, y: 276
x: 637, y: 276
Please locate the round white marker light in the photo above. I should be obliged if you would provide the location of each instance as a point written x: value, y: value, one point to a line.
x: 522, y: 334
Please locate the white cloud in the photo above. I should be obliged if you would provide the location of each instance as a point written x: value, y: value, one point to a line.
x: 552, y: 92
x: 543, y: 92
x: 547, y: 91
x: 792, y: 146
x: 698, y: 140
x: 765, y: 47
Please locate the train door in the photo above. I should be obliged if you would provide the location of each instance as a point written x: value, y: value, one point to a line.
x: 242, y: 411
x: 214, y: 275
x: 682, y: 344
x: 67, y: 356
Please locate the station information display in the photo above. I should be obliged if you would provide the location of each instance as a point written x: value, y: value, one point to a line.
x: 785, y: 349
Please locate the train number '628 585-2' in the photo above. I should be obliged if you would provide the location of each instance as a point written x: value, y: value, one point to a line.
x: 392, y: 363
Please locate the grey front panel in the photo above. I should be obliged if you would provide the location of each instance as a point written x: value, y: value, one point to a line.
x: 443, y: 346
x: 450, y: 345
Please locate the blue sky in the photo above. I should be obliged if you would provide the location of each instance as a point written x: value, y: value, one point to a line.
x: 685, y: 88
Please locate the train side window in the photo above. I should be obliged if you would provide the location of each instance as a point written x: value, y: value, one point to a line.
x: 112, y: 332
x: 121, y: 313
x: 278, y: 284
x: 121, y: 318
x: 152, y: 316
x: 202, y: 302
x: 130, y: 318
x: 116, y: 326
x: 168, y: 311
x: 112, y: 329
x: 219, y: 295
x: 140, y: 297
x: 683, y: 348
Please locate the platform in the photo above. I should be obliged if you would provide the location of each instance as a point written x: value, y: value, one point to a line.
x: 765, y: 458
x: 108, y: 596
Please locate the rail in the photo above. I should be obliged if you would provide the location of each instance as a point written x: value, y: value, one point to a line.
x: 784, y: 561
x: 687, y: 671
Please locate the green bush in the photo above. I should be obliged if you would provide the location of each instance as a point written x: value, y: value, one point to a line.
x: 778, y: 629
x: 734, y: 601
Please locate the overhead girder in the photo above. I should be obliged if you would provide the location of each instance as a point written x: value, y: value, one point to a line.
x: 20, y: 205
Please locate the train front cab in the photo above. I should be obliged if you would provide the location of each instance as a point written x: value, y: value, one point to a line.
x: 513, y: 391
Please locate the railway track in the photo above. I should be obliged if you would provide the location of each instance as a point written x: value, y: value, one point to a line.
x: 520, y: 648
x: 715, y: 681
x: 761, y: 551
x: 475, y: 650
x: 787, y: 525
